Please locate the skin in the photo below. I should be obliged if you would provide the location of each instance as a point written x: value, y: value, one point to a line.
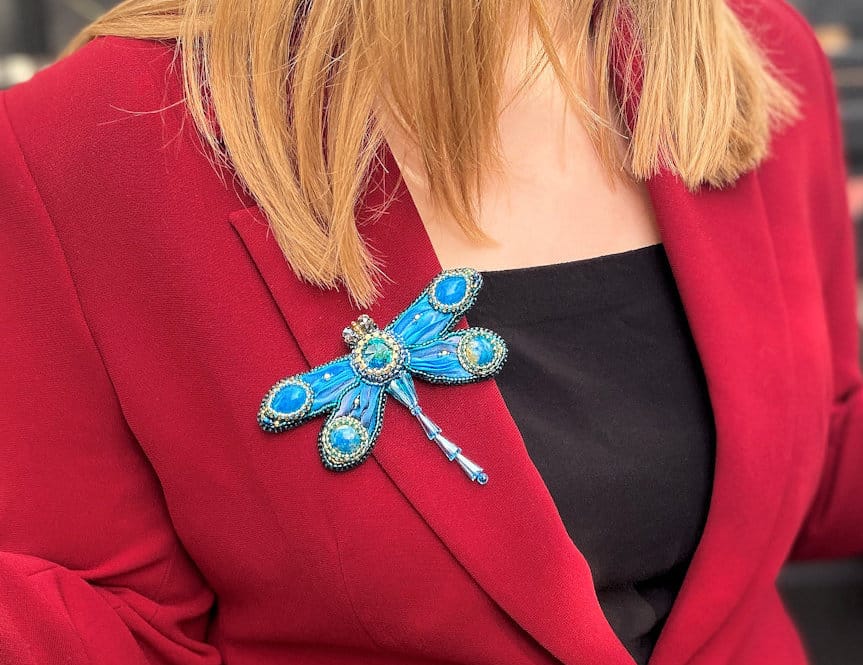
x: 553, y: 202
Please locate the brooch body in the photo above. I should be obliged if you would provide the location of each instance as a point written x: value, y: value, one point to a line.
x: 353, y: 389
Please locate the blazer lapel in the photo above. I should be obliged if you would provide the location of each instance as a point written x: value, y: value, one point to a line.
x: 508, y: 534
x: 722, y: 256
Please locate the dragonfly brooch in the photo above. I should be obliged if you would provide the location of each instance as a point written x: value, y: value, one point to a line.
x: 420, y: 342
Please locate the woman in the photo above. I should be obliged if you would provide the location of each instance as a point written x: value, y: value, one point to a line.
x: 202, y: 195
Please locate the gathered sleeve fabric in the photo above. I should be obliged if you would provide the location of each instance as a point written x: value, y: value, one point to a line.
x: 91, y: 569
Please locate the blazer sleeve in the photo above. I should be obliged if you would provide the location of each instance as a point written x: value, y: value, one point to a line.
x: 834, y: 525
x: 91, y: 570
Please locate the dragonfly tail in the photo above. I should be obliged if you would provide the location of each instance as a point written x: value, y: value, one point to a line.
x: 402, y: 389
x: 453, y: 452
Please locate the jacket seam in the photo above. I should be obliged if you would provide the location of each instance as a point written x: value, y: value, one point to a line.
x: 359, y: 620
x: 827, y: 84
x: 44, y: 209
x: 811, y: 527
x: 158, y: 594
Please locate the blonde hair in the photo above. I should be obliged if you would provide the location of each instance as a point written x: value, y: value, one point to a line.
x: 293, y: 86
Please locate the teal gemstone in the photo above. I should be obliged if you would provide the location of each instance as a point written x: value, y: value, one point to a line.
x: 290, y: 399
x: 346, y: 439
x: 480, y: 351
x: 377, y: 354
x: 451, y: 290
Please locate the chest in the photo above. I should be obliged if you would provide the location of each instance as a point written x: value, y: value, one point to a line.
x: 381, y: 555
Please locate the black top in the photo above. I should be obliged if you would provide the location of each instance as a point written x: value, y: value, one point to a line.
x: 605, y: 385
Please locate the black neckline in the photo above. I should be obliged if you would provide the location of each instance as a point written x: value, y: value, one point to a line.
x: 573, y: 288
x: 647, y: 250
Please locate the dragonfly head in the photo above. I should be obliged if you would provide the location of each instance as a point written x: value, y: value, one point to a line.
x: 362, y: 327
x: 377, y: 355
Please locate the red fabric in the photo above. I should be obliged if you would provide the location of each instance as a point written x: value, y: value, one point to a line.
x: 145, y: 518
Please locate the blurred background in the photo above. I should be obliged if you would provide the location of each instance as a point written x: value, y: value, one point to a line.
x: 826, y: 599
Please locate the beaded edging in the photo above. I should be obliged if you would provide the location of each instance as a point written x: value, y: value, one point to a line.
x: 353, y: 389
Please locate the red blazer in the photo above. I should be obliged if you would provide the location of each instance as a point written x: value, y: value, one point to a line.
x: 145, y: 310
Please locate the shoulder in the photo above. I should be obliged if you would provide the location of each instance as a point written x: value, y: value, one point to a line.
x: 93, y: 84
x: 785, y: 35
x: 807, y: 155
x: 789, y: 43
x: 109, y: 108
x: 103, y: 136
x: 102, y: 143
x: 109, y: 80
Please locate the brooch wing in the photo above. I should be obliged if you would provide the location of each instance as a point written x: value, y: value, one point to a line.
x: 350, y: 431
x: 353, y: 389
x: 298, y: 398
x: 438, y: 308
